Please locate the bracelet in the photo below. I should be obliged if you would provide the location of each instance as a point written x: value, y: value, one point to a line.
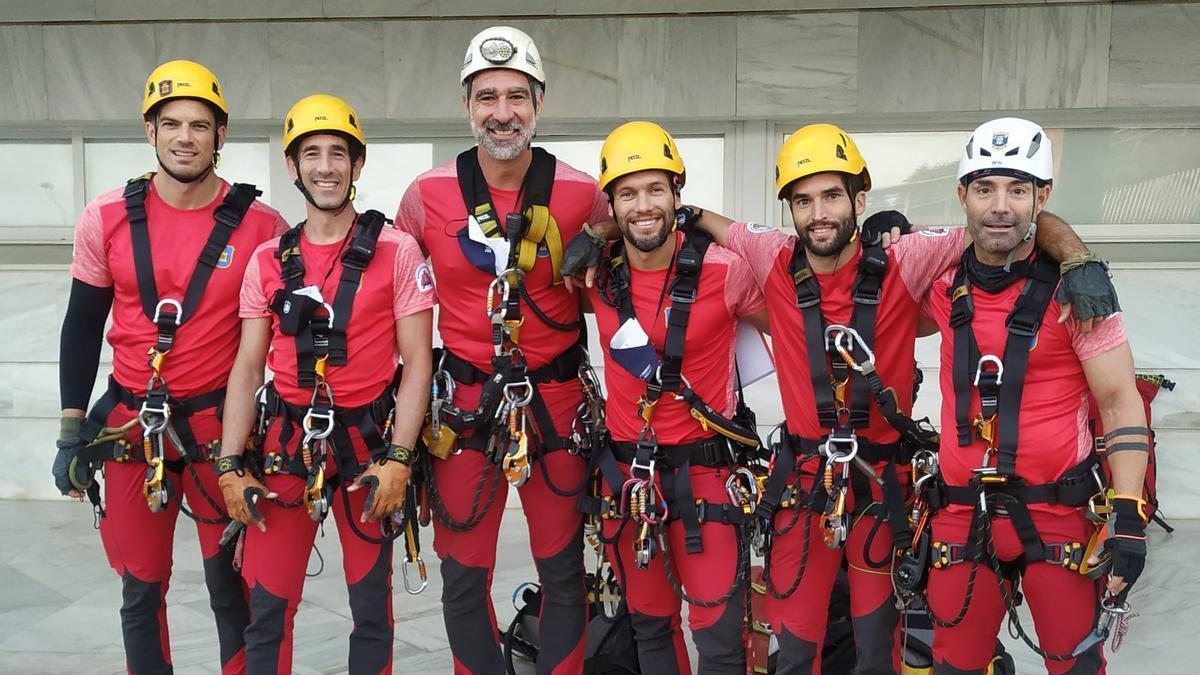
x: 1079, y: 261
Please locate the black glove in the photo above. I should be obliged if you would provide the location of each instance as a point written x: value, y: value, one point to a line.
x: 1126, y: 541
x: 1087, y: 285
x: 686, y: 217
x: 583, y: 252
x: 70, y: 445
x: 881, y: 223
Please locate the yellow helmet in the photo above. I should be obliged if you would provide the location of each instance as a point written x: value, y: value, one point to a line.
x: 182, y: 79
x: 321, y: 112
x: 638, y: 146
x: 818, y: 148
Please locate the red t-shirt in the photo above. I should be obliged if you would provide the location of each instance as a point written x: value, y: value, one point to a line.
x: 396, y: 283
x: 913, y: 264
x: 433, y: 212
x: 103, y: 257
x: 726, y: 291
x: 1052, y: 427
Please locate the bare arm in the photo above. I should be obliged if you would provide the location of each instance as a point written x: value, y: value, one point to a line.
x: 245, y: 379
x: 759, y: 320
x: 1057, y: 238
x: 1111, y: 380
x: 414, y: 338
x: 715, y: 224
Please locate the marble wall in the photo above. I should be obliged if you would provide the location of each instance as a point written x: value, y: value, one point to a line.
x: 763, y: 62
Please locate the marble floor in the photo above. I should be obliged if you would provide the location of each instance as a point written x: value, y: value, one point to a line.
x: 59, y: 600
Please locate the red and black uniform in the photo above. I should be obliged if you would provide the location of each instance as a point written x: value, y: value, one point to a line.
x: 800, y: 568
x: 706, y: 560
x: 1043, y: 450
x: 466, y: 490
x: 159, y: 262
x: 394, y: 282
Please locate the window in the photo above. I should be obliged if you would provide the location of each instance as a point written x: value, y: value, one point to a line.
x: 108, y: 164
x: 390, y: 167
x: 37, y: 184
x: 703, y: 156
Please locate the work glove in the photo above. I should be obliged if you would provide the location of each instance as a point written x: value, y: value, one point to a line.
x: 583, y: 252
x: 240, y: 490
x: 72, y: 476
x: 686, y: 218
x: 882, y: 223
x: 387, y: 484
x: 1087, y: 285
x: 1126, y: 542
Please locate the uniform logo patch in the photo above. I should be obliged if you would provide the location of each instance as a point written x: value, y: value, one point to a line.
x: 165, y: 87
x: 226, y: 258
x: 934, y: 232
x: 999, y: 139
x: 759, y: 228
x: 424, y: 278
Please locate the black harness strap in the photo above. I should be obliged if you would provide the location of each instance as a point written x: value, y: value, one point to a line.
x: 316, y: 336
x: 1000, y: 391
x: 227, y: 216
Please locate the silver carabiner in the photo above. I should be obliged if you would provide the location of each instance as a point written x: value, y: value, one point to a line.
x: 845, y: 339
x: 147, y: 414
x: 830, y: 448
x: 512, y: 399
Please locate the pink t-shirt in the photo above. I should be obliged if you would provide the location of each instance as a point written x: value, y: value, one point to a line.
x: 726, y: 291
x: 914, y: 262
x: 396, y: 283
x: 103, y: 257
x: 432, y: 211
x: 1053, y: 435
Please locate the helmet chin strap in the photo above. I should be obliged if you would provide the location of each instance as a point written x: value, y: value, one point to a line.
x: 1012, y: 252
x: 336, y: 210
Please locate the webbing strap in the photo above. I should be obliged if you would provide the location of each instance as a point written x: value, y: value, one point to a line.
x: 1000, y: 396
x: 536, y: 225
x: 227, y: 216
x: 316, y: 336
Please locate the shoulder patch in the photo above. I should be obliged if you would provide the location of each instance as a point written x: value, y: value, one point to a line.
x: 934, y: 232
x: 759, y: 228
x: 424, y: 278
x: 226, y: 258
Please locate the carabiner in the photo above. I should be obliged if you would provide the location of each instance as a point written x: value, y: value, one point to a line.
x: 830, y: 448
x: 421, y: 574
x: 147, y: 414
x: 844, y: 341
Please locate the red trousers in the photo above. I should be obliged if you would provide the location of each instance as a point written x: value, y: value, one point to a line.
x: 139, y: 546
x: 1063, y: 603
x: 800, y: 620
x: 718, y: 631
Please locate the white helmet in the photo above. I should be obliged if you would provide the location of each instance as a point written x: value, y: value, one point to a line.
x: 1008, y: 146
x: 502, y: 47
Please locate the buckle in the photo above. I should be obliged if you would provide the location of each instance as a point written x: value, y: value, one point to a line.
x: 1018, y: 325
x: 676, y: 295
x: 176, y: 318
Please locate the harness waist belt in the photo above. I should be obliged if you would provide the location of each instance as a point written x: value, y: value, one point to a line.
x: 562, y: 368
x: 711, y: 452
x: 1074, y: 489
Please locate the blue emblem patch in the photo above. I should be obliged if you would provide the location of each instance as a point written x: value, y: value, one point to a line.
x: 999, y: 139
x: 226, y: 258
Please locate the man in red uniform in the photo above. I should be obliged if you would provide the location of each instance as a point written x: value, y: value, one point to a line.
x: 843, y: 321
x: 492, y: 222
x: 315, y: 298
x: 1016, y: 455
x: 166, y: 255
x: 667, y: 307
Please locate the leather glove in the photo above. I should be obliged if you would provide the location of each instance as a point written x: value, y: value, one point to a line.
x: 583, y: 252
x: 387, y: 482
x: 1087, y: 285
x: 881, y: 223
x: 240, y: 489
x: 1126, y: 541
x: 70, y: 473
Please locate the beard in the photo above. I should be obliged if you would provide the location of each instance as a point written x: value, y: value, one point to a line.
x: 507, y: 149
x: 845, y: 232
x: 1002, y: 241
x: 182, y: 173
x: 649, y: 242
